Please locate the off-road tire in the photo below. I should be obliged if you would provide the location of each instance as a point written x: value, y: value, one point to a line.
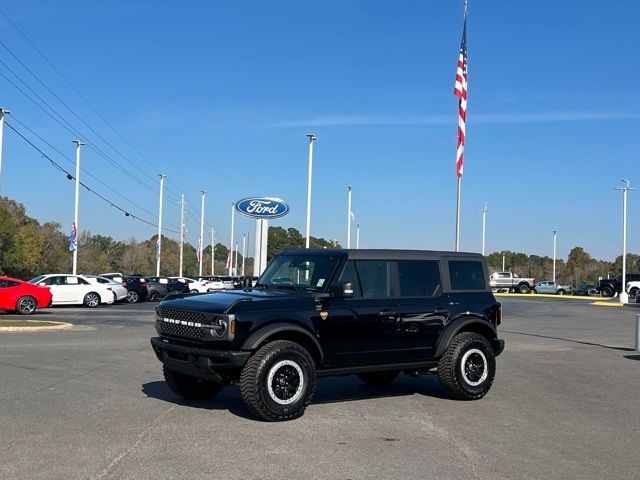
x: 26, y: 305
x: 90, y: 298
x: 606, y: 291
x: 523, y: 288
x: 191, y: 388
x: 450, y: 366
x: 259, y: 396
x: 379, y: 379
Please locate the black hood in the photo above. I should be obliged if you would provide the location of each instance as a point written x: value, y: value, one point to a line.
x: 231, y: 300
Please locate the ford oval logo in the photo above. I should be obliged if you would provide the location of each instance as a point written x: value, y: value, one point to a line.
x: 262, y: 207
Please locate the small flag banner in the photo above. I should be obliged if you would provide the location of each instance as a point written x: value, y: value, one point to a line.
x: 73, y: 237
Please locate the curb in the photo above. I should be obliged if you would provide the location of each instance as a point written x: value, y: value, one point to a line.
x: 608, y: 304
x: 53, y: 326
x: 546, y: 295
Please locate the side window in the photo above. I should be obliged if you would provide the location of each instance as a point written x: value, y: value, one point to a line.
x: 4, y: 283
x: 72, y: 281
x: 466, y: 275
x: 350, y: 275
x: 419, y: 278
x: 102, y: 280
x: 55, y: 281
x: 375, y: 278
x: 82, y: 281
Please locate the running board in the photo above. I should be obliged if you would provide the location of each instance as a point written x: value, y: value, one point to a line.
x: 329, y: 372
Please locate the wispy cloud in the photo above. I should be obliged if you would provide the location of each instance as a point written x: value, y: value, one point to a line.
x: 488, y: 118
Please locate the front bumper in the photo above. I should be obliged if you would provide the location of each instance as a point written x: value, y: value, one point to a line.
x: 197, y: 362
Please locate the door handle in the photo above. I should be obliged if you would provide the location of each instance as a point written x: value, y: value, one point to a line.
x: 441, y: 311
x: 387, y: 313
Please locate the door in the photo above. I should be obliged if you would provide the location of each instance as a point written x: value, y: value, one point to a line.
x: 423, y: 310
x: 76, y: 288
x: 363, y: 330
x: 56, y: 285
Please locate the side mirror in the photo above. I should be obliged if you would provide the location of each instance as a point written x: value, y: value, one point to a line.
x: 247, y: 283
x: 341, y: 290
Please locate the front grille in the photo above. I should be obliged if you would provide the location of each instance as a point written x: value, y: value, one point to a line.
x: 178, y: 329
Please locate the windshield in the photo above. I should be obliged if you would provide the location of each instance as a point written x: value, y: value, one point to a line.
x: 305, y: 272
x: 36, y: 279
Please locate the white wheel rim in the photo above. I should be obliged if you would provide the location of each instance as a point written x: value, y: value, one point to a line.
x: 92, y: 300
x: 463, y: 366
x: 272, y: 373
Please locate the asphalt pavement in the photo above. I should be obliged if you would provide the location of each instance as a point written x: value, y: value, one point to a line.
x: 90, y: 403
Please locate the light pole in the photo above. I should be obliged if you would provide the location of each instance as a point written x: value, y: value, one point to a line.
x: 159, y: 240
x: 624, y: 298
x: 233, y: 221
x: 235, y: 266
x: 349, y: 215
x: 312, y: 138
x: 181, y: 233
x: 75, y: 207
x: 358, y: 236
x: 201, y: 241
x: 555, y: 238
x: 3, y: 112
x: 484, y: 227
x: 503, y: 262
x: 244, y: 251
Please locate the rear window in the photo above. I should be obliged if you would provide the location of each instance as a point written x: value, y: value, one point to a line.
x: 467, y: 275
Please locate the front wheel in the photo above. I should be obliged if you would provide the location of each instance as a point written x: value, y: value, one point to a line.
x: 91, y: 300
x: 524, y: 288
x: 468, y: 367
x: 379, y: 379
x: 561, y: 292
x: 26, y: 305
x: 607, y: 292
x: 191, y: 388
x: 278, y: 381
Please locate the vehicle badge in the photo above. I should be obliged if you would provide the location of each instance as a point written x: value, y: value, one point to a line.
x: 324, y: 315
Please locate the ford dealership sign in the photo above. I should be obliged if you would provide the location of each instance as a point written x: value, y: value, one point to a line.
x: 262, y: 207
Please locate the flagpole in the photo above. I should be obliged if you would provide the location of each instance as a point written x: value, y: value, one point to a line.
x: 201, y: 242
x: 181, y: 234
x: 213, y: 248
x: 233, y: 221
x: 76, y: 204
x: 458, y: 215
x: 460, y: 90
x: 159, y: 240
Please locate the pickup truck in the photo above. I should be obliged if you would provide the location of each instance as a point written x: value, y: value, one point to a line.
x: 555, y: 288
x: 511, y: 281
x: 608, y: 287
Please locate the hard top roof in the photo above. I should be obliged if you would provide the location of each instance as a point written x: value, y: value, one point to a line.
x: 380, y: 254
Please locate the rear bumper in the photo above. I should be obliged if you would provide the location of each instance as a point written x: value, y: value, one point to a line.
x: 197, y: 362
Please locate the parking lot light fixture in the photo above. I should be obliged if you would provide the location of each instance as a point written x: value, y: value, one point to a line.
x: 201, y: 241
x: 3, y: 112
x: 349, y: 216
x: 79, y: 144
x: 159, y: 240
x: 312, y: 138
x: 624, y: 298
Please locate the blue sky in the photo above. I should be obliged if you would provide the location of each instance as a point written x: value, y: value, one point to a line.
x: 220, y: 96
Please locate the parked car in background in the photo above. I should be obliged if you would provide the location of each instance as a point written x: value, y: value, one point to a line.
x: 157, y: 291
x: 23, y: 297
x: 195, y: 286
x: 214, y: 283
x: 228, y: 283
x: 586, y: 289
x: 633, y: 288
x: 172, y: 284
x: 74, y: 290
x: 119, y: 289
x: 608, y: 287
x: 552, y: 287
x: 511, y: 281
x: 116, y: 276
x: 137, y: 289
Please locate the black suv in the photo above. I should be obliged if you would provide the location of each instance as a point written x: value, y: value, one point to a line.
x: 316, y: 313
x: 608, y: 287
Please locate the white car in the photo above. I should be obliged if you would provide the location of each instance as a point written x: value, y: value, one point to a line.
x: 633, y: 288
x: 195, y: 286
x: 74, y: 290
x: 120, y: 292
x: 213, y: 283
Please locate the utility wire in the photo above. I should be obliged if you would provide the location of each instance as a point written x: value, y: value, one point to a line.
x: 72, y: 177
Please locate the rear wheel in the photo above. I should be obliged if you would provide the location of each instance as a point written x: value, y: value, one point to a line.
x: 523, y: 288
x: 91, y: 300
x: 379, y: 378
x: 468, y: 367
x: 189, y: 387
x: 132, y: 297
x: 26, y: 305
x: 278, y: 381
x: 606, y: 291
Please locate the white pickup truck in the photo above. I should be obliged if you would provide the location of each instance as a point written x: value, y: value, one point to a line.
x: 511, y: 282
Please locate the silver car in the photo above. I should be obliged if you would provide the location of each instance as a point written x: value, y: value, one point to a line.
x: 552, y: 287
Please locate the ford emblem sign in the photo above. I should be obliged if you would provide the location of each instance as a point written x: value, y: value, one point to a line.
x: 262, y: 207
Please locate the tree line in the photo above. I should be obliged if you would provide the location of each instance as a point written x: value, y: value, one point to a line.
x: 29, y: 248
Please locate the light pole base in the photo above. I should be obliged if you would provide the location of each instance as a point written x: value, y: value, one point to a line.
x: 624, y: 297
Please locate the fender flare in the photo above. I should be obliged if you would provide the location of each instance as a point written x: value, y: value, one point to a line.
x: 454, y: 328
x: 259, y: 336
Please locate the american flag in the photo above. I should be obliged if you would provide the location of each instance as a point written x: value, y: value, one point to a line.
x: 158, y: 247
x: 199, y: 251
x: 460, y: 91
x: 229, y: 265
x: 73, y: 237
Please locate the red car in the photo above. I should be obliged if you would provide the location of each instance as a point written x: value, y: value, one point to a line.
x: 22, y: 297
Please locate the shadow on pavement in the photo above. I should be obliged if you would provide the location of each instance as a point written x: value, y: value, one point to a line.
x: 581, y: 342
x: 632, y: 357
x: 328, y: 390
